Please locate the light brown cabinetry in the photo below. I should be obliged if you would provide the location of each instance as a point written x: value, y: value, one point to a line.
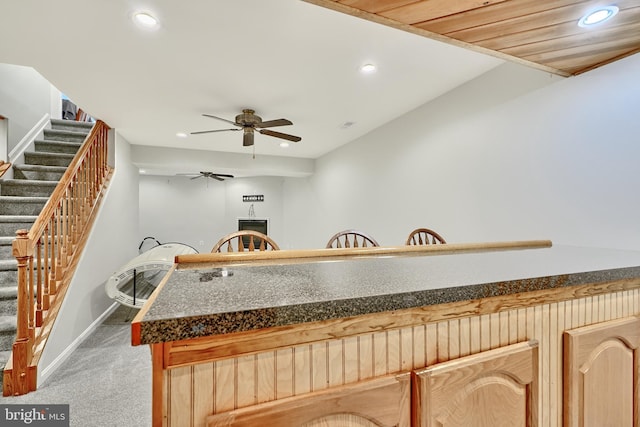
x: 197, y: 379
x: 602, y: 374
x: 379, y: 402
x: 489, y: 389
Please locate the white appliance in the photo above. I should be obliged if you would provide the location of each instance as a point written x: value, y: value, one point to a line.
x: 134, y: 282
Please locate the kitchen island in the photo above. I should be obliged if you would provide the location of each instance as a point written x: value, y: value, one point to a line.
x: 289, y: 334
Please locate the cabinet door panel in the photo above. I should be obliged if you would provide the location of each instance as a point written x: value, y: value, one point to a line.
x: 489, y: 389
x: 384, y: 401
x: 601, y: 374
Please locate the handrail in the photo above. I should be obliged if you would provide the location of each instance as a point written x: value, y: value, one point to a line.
x: 48, y: 253
x: 4, y: 166
x: 308, y: 255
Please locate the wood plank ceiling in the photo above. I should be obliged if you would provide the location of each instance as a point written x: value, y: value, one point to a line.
x: 538, y: 33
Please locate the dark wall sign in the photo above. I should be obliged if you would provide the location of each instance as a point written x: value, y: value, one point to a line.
x: 253, y: 198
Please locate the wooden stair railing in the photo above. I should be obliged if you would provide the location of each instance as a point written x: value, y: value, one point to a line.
x: 48, y: 253
x: 4, y: 166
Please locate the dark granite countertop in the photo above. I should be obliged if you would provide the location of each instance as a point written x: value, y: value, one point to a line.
x: 204, y: 302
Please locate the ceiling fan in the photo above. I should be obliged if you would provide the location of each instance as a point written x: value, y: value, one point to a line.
x: 249, y: 122
x: 216, y: 176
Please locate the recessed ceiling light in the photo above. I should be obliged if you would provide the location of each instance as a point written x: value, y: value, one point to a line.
x: 347, y: 125
x: 181, y: 135
x: 145, y: 19
x: 284, y: 144
x: 598, y: 16
x: 368, y: 68
x: 142, y: 171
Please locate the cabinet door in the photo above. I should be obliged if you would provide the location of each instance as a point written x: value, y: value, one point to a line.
x: 384, y: 401
x: 601, y: 374
x: 489, y: 389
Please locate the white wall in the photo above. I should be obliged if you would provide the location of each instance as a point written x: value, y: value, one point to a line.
x: 25, y: 97
x: 515, y: 154
x: 112, y: 243
x: 199, y: 212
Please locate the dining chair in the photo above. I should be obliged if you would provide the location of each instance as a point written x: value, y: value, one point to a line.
x: 424, y: 236
x: 351, y: 239
x: 245, y: 240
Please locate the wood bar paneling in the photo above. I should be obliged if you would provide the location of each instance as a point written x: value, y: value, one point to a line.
x: 219, y: 346
x: 229, y: 383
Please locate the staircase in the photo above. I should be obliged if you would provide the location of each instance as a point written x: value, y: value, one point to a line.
x: 21, y: 200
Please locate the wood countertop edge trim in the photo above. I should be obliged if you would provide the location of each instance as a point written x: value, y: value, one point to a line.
x: 211, y: 348
x: 136, y: 333
x: 309, y: 255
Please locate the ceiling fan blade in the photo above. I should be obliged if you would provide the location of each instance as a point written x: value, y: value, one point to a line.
x: 280, y: 135
x: 247, y: 138
x: 224, y: 120
x: 273, y: 123
x: 217, y: 178
x: 196, y: 177
x: 210, y: 131
x: 222, y: 175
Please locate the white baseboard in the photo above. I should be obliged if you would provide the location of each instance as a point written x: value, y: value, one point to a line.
x: 45, y: 373
x: 28, y: 139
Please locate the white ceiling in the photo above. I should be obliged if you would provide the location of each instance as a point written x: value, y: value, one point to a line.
x: 283, y: 58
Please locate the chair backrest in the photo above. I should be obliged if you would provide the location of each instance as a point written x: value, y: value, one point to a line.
x: 351, y: 239
x: 424, y: 236
x: 245, y: 240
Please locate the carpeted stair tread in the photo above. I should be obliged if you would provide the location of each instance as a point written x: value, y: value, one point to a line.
x: 8, y: 264
x: 22, y: 205
x: 28, y: 182
x: 8, y: 292
x: 47, y: 154
x: 72, y: 124
x: 4, y: 357
x: 17, y: 218
x: 27, y: 187
x: 6, y: 247
x: 23, y: 199
x: 40, y: 168
x: 7, y: 324
x: 9, y: 224
x: 38, y: 172
x: 51, y: 159
x: 8, y: 301
x: 64, y: 135
x: 65, y: 147
x: 8, y: 329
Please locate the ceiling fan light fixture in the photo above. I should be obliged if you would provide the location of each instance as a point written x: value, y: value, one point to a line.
x: 598, y: 16
x: 247, y: 138
x: 181, y: 135
x: 249, y: 123
x: 145, y: 20
x: 284, y: 144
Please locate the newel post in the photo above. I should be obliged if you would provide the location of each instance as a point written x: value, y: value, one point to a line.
x: 22, y: 348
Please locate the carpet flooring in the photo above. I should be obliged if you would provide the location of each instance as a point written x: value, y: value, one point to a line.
x: 106, y: 381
